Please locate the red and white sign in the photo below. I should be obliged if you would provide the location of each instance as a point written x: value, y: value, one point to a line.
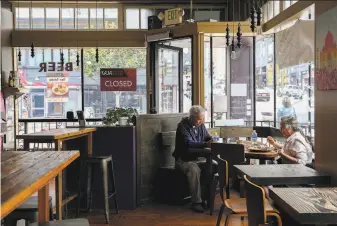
x: 118, y: 79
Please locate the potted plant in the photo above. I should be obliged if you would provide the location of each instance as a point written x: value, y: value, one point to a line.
x: 123, y: 116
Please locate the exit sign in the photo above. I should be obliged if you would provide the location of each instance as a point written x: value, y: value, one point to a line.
x: 174, y: 16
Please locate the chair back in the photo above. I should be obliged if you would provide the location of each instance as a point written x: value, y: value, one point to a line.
x: 234, y: 154
x: 223, y: 177
x: 256, y: 207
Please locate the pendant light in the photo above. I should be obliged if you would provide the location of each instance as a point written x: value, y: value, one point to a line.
x: 77, y: 55
x: 32, y: 47
x: 239, y: 34
x: 61, y: 50
x: 227, y: 29
x: 252, y: 18
x: 233, y: 53
x: 19, y: 53
x: 258, y: 21
x: 97, y: 54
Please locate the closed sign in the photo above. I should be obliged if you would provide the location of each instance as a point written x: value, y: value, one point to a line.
x: 174, y: 16
x: 117, y: 79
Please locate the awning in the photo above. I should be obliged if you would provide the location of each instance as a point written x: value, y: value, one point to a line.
x: 295, y: 45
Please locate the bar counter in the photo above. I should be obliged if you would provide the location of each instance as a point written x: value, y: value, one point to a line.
x: 120, y: 142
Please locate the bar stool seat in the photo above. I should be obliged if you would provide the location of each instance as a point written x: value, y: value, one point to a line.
x: 105, y: 162
x: 27, y: 211
x: 71, y: 222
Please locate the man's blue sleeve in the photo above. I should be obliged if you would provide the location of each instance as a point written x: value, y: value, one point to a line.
x: 188, y: 140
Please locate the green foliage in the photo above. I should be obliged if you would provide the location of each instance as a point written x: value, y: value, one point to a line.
x: 113, y: 58
x: 113, y: 115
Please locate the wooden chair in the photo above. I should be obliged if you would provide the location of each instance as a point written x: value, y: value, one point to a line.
x: 257, y: 206
x: 237, y: 206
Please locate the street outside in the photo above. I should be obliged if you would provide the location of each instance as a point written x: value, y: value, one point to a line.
x: 301, y: 107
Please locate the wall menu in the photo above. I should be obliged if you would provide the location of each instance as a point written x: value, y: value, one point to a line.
x: 57, y: 87
x: 118, y: 79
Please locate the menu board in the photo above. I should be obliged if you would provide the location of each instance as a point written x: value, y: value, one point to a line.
x: 57, y: 87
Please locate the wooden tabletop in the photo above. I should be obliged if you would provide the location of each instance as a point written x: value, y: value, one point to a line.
x: 24, y: 173
x: 308, y: 205
x: 283, y: 174
x: 56, y: 134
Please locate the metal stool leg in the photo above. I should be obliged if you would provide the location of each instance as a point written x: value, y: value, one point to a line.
x: 104, y: 169
x: 113, y: 182
x: 89, y: 184
x: 79, y: 190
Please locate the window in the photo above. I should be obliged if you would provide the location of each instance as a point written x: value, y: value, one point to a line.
x: 132, y: 18
x: 270, y: 10
x: 41, y: 101
x: 83, y: 18
x: 96, y: 19
x: 286, y: 4
x: 207, y: 81
x: 52, y: 18
x: 276, y: 7
x: 110, y: 18
x: 96, y: 102
x: 67, y: 18
x: 38, y: 18
x: 144, y: 14
x: 22, y: 18
x: 264, y: 82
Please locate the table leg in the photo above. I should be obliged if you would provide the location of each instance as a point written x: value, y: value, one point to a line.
x: 89, y: 144
x: 26, y: 144
x: 43, y: 204
x: 58, y: 187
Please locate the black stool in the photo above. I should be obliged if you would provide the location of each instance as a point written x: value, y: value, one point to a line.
x: 104, y: 162
x: 28, y: 211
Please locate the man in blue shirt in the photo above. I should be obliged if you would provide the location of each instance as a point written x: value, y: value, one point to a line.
x: 192, y: 134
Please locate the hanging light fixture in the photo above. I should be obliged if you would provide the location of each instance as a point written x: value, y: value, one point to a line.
x: 233, y: 53
x: 258, y: 21
x: 61, y: 50
x: 252, y: 18
x: 227, y: 29
x: 19, y: 53
x: 239, y: 34
x: 97, y: 53
x: 77, y: 55
x: 32, y: 47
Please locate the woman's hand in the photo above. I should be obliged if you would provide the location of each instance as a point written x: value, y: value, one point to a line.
x: 280, y: 151
x: 271, y: 140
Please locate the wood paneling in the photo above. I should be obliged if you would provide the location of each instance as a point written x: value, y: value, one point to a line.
x: 325, y: 114
x: 105, y: 38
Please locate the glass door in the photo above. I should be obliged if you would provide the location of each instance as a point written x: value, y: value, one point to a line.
x: 169, y: 79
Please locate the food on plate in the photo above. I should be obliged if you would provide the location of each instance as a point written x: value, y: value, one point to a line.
x: 60, y: 89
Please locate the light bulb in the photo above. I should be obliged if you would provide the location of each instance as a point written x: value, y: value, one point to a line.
x: 233, y: 55
x: 259, y: 32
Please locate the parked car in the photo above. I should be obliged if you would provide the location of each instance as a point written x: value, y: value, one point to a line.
x: 267, y: 116
x: 262, y: 95
x: 291, y: 91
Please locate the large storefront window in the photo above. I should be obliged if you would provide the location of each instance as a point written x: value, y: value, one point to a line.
x: 264, y: 81
x: 96, y: 102
x: 51, y: 91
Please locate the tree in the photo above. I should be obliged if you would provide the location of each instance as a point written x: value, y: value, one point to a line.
x: 113, y: 58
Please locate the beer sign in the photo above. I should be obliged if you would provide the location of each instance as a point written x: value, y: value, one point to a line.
x: 118, y: 79
x: 174, y: 16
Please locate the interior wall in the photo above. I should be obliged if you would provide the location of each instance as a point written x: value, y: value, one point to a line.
x: 325, y: 106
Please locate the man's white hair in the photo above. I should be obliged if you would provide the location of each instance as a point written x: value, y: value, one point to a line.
x: 195, y: 110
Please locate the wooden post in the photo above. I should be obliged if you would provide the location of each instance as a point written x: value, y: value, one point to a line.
x: 198, y: 89
x: 43, y: 204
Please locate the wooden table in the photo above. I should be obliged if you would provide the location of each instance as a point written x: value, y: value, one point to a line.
x: 309, y: 206
x: 283, y: 174
x: 25, y: 173
x: 57, y: 136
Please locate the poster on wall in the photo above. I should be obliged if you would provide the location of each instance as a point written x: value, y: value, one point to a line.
x: 57, y: 87
x: 118, y: 79
x: 326, y: 55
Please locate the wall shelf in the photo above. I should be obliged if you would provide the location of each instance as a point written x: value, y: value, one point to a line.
x: 13, y: 91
